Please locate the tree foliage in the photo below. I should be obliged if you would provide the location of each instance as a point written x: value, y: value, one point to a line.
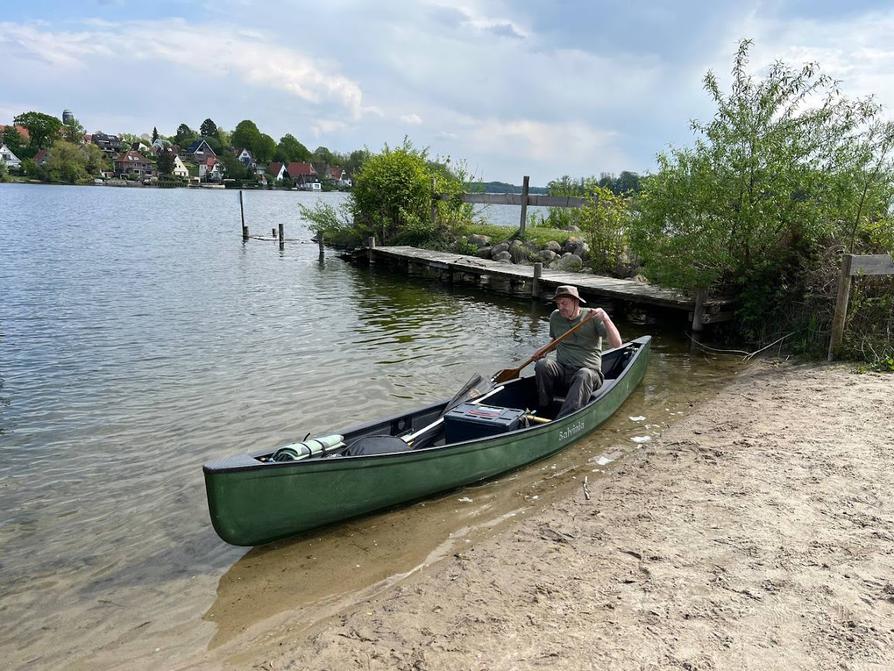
x: 290, y: 149
x: 393, y: 192
x: 12, y: 138
x: 43, y: 128
x: 185, y: 136
x: 392, y: 200
x: 208, y: 128
x: 265, y: 148
x: 165, y: 162
x: 73, y: 132
x: 786, y: 168
x: 785, y: 162
x: 66, y: 162
x: 246, y: 136
x: 353, y: 163
x: 604, y: 220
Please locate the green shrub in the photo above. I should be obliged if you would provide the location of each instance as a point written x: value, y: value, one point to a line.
x: 771, y: 194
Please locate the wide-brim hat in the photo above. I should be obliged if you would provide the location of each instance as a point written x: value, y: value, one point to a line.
x: 568, y: 290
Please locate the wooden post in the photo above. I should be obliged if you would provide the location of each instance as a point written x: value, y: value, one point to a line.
x: 282, y: 238
x: 535, y: 285
x: 320, y: 242
x: 840, y: 316
x: 371, y: 245
x: 524, y: 207
x: 698, y: 312
x: 273, y: 233
x: 242, y: 214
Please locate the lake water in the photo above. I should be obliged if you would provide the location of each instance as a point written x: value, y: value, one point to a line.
x: 140, y: 337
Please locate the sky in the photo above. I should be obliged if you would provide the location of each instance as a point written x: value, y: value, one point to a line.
x: 504, y: 89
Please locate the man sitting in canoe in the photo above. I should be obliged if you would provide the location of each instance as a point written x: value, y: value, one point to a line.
x: 577, y: 368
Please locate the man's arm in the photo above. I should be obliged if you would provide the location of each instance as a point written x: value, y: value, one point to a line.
x: 612, y: 334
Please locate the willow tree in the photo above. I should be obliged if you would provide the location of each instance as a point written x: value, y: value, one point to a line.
x: 785, y: 163
x: 786, y: 168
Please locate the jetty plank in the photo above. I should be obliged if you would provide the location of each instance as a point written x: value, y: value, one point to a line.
x: 592, y: 285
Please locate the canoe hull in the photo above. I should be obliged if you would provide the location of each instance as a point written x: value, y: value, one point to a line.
x: 253, y: 503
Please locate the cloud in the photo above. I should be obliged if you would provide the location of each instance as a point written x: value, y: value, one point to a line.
x: 539, y: 141
x: 324, y: 126
x: 854, y: 49
x: 68, y: 52
x: 211, y: 51
x: 413, y: 119
x: 460, y: 17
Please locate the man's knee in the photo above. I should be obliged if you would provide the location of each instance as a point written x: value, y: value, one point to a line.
x: 587, y: 375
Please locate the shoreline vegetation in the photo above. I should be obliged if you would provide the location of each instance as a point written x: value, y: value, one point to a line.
x: 786, y: 179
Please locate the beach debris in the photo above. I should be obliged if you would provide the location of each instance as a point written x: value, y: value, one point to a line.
x: 547, y: 533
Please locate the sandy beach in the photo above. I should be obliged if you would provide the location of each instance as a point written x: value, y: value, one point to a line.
x: 756, y: 533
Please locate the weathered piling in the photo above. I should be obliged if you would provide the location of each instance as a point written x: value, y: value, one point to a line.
x: 535, y: 283
x: 698, y: 310
x: 242, y: 214
x: 282, y: 237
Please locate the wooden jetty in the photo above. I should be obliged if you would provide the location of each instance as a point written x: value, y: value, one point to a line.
x: 540, y: 282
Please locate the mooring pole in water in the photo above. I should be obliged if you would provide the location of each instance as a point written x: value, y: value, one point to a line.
x: 273, y: 233
x: 535, y: 284
x: 282, y: 238
x: 242, y: 214
x: 370, y: 246
x: 320, y: 242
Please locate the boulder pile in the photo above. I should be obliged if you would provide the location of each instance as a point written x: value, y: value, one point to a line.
x: 569, y: 256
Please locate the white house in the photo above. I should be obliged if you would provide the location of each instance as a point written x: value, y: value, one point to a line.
x: 179, y: 169
x: 245, y: 158
x: 9, y: 159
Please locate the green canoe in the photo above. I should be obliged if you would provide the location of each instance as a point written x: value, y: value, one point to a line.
x: 257, y: 498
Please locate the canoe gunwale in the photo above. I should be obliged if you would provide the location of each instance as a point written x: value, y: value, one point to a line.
x: 249, y: 461
x: 252, y: 503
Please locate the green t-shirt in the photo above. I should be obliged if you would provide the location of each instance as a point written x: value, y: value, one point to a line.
x: 583, y: 348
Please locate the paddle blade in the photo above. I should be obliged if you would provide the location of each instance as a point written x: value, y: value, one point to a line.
x: 505, y: 375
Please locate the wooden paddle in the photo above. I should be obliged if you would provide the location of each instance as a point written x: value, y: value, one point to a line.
x: 512, y: 373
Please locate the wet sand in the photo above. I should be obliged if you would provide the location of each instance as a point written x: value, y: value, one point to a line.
x: 758, y: 532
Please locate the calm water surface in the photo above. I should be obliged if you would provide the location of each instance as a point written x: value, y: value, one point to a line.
x: 140, y: 337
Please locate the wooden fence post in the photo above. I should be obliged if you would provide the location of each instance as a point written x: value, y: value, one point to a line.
x: 242, y: 214
x: 535, y: 284
x: 841, y: 301
x: 524, y: 207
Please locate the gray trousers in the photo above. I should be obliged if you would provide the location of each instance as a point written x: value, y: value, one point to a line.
x: 577, y: 384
